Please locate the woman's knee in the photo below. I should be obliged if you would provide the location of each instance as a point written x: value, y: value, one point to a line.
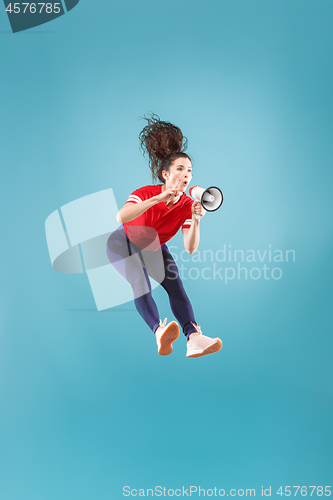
x: 173, y: 285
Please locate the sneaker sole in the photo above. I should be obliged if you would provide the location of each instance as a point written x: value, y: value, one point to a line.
x: 168, y: 337
x: 216, y: 346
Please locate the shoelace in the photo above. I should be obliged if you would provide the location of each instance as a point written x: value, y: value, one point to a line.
x: 198, y: 332
x: 164, y: 322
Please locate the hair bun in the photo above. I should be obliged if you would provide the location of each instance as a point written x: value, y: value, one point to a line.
x: 160, y: 139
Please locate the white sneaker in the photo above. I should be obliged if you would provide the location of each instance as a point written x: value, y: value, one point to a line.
x: 200, y: 345
x: 165, y: 335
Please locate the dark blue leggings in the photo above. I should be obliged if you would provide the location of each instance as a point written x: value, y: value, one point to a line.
x: 135, y: 265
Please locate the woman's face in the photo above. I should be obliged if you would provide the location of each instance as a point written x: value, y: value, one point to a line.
x: 180, y: 172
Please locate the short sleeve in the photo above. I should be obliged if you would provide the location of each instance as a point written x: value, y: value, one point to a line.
x: 137, y: 196
x: 188, y: 221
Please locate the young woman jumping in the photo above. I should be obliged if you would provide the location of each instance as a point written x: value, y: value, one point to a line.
x: 151, y: 216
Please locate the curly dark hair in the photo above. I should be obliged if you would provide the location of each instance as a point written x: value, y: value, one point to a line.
x: 163, y: 142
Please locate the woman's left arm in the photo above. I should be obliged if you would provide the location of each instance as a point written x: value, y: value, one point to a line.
x: 192, y: 235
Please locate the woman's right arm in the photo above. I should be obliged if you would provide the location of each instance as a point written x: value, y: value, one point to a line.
x: 131, y: 211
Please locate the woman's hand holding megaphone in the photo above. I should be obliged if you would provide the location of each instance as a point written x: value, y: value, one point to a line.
x: 197, y: 210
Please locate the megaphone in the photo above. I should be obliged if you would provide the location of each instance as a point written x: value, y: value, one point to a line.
x: 211, y: 198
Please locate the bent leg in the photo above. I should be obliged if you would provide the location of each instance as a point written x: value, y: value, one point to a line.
x: 179, y: 302
x: 126, y: 260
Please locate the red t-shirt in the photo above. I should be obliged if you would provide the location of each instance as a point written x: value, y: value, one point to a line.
x: 158, y: 220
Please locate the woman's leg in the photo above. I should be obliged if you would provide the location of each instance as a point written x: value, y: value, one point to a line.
x: 179, y: 302
x: 126, y: 260
x: 198, y: 344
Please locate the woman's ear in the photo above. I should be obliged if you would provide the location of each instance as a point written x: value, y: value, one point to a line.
x: 165, y: 175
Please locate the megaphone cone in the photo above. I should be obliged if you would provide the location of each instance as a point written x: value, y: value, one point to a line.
x: 210, y: 198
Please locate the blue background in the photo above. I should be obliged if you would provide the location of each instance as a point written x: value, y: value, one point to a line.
x: 87, y: 405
